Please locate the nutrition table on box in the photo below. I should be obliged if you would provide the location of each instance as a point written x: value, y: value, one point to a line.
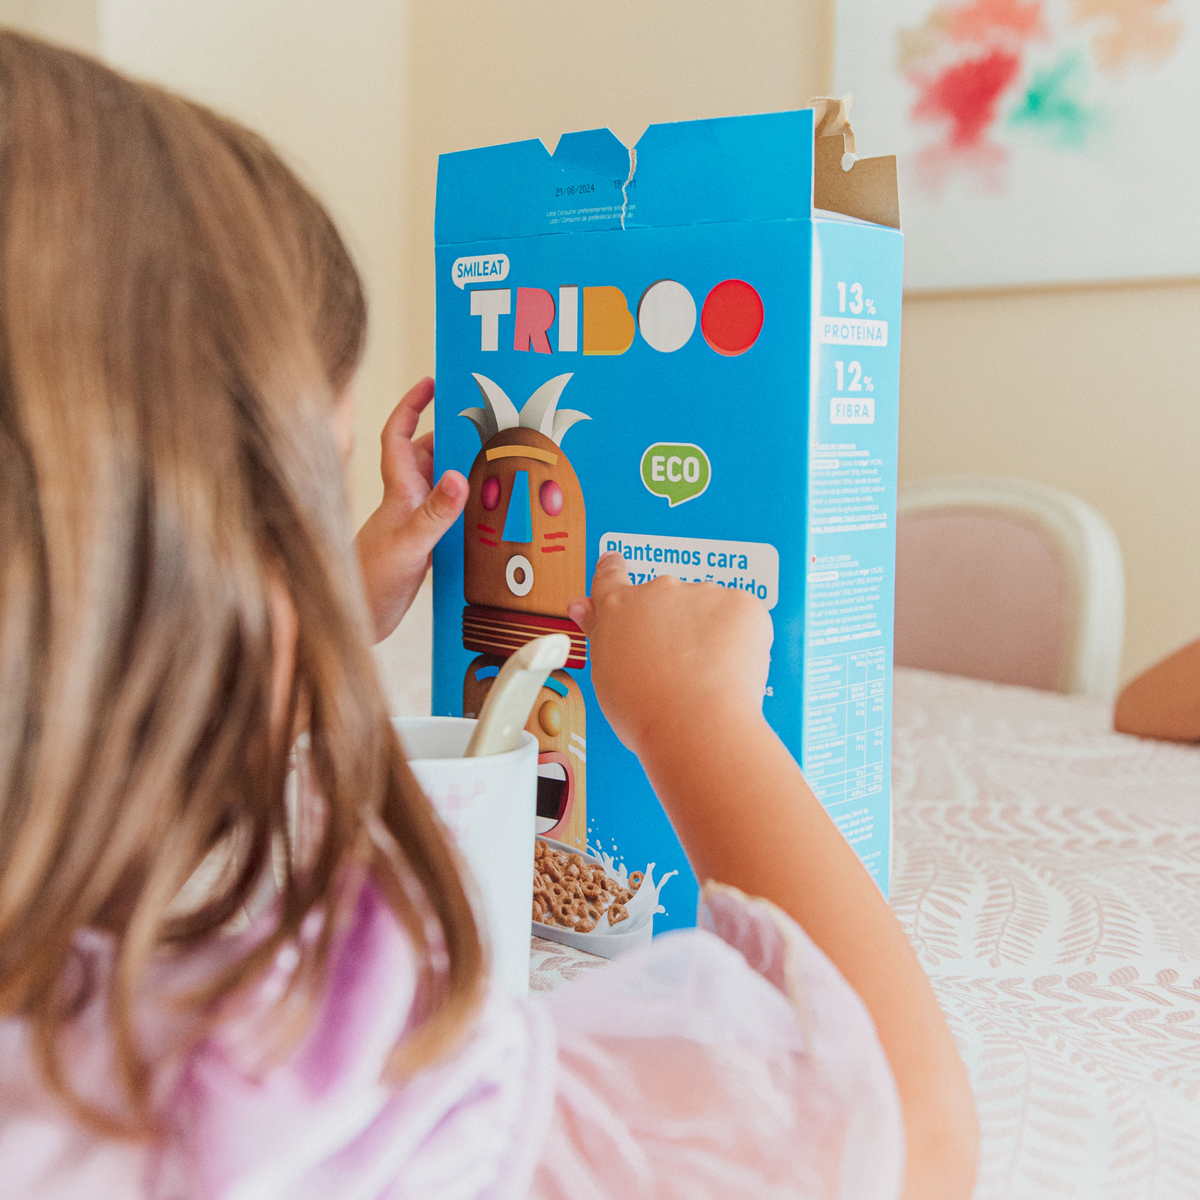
x: 844, y: 726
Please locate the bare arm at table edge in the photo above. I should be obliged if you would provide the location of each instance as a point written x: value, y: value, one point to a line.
x: 1164, y: 701
x: 679, y: 670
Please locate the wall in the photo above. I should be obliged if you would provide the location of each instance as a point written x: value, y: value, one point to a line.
x: 68, y: 22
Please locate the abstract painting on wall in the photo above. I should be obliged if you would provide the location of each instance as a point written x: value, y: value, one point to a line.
x: 1039, y: 141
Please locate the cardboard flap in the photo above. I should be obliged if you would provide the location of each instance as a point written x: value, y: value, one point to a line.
x: 731, y: 169
x: 868, y: 189
x: 495, y: 191
x: 753, y: 168
x: 831, y: 115
x: 597, y: 151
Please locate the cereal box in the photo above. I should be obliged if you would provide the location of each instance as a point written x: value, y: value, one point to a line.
x: 688, y: 352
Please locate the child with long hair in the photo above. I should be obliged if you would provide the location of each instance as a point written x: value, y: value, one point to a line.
x: 209, y: 991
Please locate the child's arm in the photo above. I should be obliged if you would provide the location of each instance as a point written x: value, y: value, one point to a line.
x: 1164, y: 702
x: 680, y: 670
x: 396, y: 540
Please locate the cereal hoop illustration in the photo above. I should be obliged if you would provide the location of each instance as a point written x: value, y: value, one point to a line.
x: 610, y: 942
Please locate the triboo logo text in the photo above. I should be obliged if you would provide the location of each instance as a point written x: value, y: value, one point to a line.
x: 596, y: 319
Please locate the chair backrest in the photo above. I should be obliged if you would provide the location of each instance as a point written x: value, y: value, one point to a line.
x: 1008, y: 580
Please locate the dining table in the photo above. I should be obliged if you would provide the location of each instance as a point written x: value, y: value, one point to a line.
x: 1047, y: 873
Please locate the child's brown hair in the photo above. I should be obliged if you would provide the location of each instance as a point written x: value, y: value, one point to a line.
x: 177, y: 314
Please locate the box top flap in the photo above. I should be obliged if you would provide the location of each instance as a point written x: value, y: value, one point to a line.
x: 750, y: 168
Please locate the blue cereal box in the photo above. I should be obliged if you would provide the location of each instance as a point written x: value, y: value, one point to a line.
x: 687, y: 352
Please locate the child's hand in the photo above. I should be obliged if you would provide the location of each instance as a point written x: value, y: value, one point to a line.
x: 396, y: 541
x: 668, y: 651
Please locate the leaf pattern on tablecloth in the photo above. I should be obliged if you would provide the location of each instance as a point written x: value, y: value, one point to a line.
x: 1078, y: 1081
x: 1047, y: 872
x: 933, y: 893
x: 551, y: 964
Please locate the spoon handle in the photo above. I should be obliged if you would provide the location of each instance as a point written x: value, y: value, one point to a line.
x: 511, y: 698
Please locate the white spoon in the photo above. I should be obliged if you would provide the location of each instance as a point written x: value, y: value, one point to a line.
x: 512, y: 696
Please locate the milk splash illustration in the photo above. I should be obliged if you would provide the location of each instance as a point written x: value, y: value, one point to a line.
x: 642, y: 905
x: 611, y: 941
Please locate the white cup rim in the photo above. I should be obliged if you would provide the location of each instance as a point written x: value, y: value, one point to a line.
x: 398, y: 724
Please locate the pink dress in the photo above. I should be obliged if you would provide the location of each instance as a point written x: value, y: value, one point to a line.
x: 731, y: 1061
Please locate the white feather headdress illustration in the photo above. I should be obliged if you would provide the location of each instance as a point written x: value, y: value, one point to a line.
x: 540, y: 412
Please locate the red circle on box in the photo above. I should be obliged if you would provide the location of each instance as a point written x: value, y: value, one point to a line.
x: 732, y: 317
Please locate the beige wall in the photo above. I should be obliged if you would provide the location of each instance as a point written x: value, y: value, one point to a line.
x: 1094, y: 390
x: 68, y: 22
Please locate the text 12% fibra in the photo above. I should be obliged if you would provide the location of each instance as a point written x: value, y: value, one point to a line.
x: 858, y: 381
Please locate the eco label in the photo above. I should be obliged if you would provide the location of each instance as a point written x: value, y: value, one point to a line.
x: 677, y: 471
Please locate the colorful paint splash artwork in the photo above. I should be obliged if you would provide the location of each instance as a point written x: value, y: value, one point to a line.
x: 981, y: 67
x: 1036, y: 141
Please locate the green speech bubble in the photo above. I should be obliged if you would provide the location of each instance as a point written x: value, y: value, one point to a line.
x: 677, y: 470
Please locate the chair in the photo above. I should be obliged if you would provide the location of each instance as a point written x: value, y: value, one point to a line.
x: 1008, y: 580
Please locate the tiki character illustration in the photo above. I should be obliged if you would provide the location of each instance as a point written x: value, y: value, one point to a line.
x: 558, y: 722
x: 524, y: 533
x: 524, y: 560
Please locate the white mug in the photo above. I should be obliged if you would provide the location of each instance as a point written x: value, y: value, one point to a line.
x: 489, y: 805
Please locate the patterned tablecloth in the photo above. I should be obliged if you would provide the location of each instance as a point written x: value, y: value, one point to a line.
x: 1047, y: 871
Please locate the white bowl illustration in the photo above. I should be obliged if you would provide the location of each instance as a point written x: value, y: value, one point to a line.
x: 610, y: 941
